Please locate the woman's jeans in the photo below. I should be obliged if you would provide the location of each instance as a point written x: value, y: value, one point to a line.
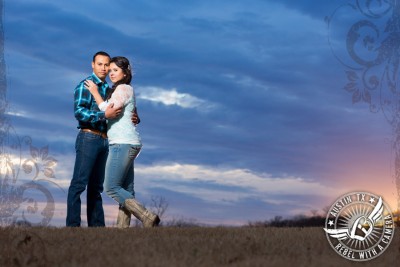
x: 119, y: 174
x: 91, y: 156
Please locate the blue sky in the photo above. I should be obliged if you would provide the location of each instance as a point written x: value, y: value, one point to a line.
x: 244, y: 115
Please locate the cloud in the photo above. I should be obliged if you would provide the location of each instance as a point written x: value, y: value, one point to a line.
x: 172, y: 97
x: 216, y: 184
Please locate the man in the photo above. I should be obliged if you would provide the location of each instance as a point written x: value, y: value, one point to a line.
x: 91, y: 147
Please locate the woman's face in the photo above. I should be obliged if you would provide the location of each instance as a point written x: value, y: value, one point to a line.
x: 116, y: 73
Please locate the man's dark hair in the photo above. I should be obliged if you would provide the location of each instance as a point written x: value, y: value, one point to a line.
x: 100, y: 53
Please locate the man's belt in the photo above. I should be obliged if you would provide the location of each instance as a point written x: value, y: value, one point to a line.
x: 93, y: 131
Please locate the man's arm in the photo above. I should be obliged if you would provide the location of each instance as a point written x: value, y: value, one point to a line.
x: 135, y: 117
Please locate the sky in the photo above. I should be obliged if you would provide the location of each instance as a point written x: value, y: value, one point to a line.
x: 249, y: 109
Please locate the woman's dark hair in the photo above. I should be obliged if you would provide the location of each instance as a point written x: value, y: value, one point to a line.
x: 123, y: 63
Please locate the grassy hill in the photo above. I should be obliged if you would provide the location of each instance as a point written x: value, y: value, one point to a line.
x: 172, y: 246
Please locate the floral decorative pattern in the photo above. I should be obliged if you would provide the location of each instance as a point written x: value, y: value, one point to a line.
x: 19, y: 198
x: 370, y: 51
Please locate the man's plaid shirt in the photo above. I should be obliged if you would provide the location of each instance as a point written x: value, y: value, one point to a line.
x: 86, y: 110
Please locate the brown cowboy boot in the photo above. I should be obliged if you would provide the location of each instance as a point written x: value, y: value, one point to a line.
x: 124, y: 218
x: 148, y: 218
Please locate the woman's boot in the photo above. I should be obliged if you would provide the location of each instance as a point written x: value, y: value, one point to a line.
x: 148, y: 218
x: 124, y: 218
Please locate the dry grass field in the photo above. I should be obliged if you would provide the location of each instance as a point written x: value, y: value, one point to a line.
x: 171, y: 246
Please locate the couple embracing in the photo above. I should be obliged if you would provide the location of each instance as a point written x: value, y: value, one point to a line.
x: 107, y: 145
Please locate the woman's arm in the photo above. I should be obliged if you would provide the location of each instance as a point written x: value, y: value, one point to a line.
x: 122, y: 95
x: 92, y: 87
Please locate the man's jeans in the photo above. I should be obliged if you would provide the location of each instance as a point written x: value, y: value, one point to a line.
x: 119, y: 181
x: 91, y: 156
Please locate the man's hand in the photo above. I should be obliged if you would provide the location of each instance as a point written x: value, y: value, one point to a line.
x: 112, y: 113
x: 135, y: 117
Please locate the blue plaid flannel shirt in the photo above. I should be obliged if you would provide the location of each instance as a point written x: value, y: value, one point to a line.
x: 86, y: 110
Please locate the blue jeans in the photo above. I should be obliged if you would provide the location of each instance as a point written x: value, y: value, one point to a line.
x: 119, y: 180
x: 91, y: 156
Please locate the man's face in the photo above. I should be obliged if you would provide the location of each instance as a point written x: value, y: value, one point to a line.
x: 101, y: 66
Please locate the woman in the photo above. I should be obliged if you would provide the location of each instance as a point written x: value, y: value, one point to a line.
x: 124, y: 145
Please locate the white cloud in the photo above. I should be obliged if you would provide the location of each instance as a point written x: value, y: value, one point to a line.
x: 22, y: 166
x: 217, y: 186
x: 246, y: 81
x: 17, y: 114
x: 172, y: 97
x: 248, y: 184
